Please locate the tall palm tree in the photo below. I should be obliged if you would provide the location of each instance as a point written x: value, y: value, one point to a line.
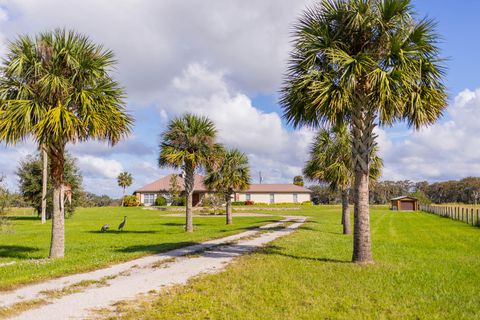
x: 188, y: 144
x: 56, y: 88
x: 331, y: 161
x: 366, y: 63
x: 232, y: 174
x: 124, y: 181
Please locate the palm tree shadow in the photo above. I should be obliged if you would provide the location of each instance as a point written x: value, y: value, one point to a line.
x: 124, y: 231
x: 276, y: 250
x: 20, y: 252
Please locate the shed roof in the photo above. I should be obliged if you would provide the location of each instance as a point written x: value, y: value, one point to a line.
x: 403, y: 197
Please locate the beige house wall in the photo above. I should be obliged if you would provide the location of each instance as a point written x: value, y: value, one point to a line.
x: 278, y: 197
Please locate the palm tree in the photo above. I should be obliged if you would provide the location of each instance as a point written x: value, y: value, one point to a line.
x: 232, y: 174
x: 56, y: 88
x: 331, y: 161
x: 298, y: 181
x: 366, y: 63
x: 124, y: 181
x: 188, y: 144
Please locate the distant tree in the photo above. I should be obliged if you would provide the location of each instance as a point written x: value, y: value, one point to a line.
x: 89, y: 199
x: 365, y: 63
x: 298, y: 181
x: 232, y: 174
x: 124, y: 181
x: 4, y: 204
x: 322, y: 194
x: 189, y: 143
x: 421, y: 197
x: 29, y: 175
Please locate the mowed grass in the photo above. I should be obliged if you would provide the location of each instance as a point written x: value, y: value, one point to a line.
x: 426, y: 267
x: 146, y: 232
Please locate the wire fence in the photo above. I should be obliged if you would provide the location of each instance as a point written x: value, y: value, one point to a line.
x: 467, y: 215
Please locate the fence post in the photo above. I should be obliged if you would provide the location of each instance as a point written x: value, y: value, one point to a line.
x: 471, y: 217
x: 462, y: 216
x: 478, y: 224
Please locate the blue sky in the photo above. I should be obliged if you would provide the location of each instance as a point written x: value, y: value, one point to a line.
x: 225, y: 59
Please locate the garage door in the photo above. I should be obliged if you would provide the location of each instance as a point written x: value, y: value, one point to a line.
x: 407, y: 206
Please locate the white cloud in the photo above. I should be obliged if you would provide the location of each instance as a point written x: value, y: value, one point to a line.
x: 279, y: 153
x: 154, y: 40
x: 446, y: 150
x: 99, y: 167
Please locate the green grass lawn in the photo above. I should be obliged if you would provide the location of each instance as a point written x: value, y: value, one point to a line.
x: 426, y: 267
x: 27, y: 240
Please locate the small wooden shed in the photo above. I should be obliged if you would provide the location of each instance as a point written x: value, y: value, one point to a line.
x: 404, y: 203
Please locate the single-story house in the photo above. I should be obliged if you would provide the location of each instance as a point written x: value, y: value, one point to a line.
x: 404, y: 203
x: 258, y: 193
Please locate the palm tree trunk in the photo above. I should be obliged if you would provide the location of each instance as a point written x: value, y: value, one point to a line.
x: 345, y: 213
x: 44, y: 185
x: 229, y: 208
x: 123, y: 197
x: 189, y: 183
x: 362, y: 131
x: 57, y: 244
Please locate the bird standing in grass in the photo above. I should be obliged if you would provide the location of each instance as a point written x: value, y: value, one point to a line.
x: 122, y: 224
x: 105, y: 228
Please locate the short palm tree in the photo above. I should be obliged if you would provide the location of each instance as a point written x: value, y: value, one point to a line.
x: 56, y: 88
x: 189, y: 143
x: 232, y: 174
x: 367, y: 63
x: 331, y: 162
x: 124, y: 181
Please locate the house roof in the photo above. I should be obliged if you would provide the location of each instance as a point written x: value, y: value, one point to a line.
x: 163, y: 184
x: 403, y: 197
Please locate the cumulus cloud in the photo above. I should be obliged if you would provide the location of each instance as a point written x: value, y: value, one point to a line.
x: 99, y: 167
x: 449, y: 149
x: 273, y: 149
x: 154, y: 40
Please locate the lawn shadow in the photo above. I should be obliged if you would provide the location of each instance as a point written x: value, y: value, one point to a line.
x: 276, y: 250
x: 23, y: 218
x: 125, y: 231
x: 19, y: 252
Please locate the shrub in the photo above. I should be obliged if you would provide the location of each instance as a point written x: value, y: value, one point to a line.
x: 238, y: 203
x: 130, y: 201
x: 180, y: 201
x: 160, y: 201
x: 307, y: 203
x: 249, y: 203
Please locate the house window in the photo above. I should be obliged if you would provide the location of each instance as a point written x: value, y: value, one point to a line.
x: 248, y: 197
x: 272, y: 198
x: 149, y: 199
x: 295, y: 198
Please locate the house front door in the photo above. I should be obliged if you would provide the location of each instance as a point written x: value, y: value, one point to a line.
x: 195, y: 199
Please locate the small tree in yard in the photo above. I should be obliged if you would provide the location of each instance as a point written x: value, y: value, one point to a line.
x: 30, y: 180
x: 232, y: 174
x: 298, y: 181
x: 189, y: 143
x: 364, y: 63
x: 175, y: 192
x: 124, y: 181
x: 56, y: 88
